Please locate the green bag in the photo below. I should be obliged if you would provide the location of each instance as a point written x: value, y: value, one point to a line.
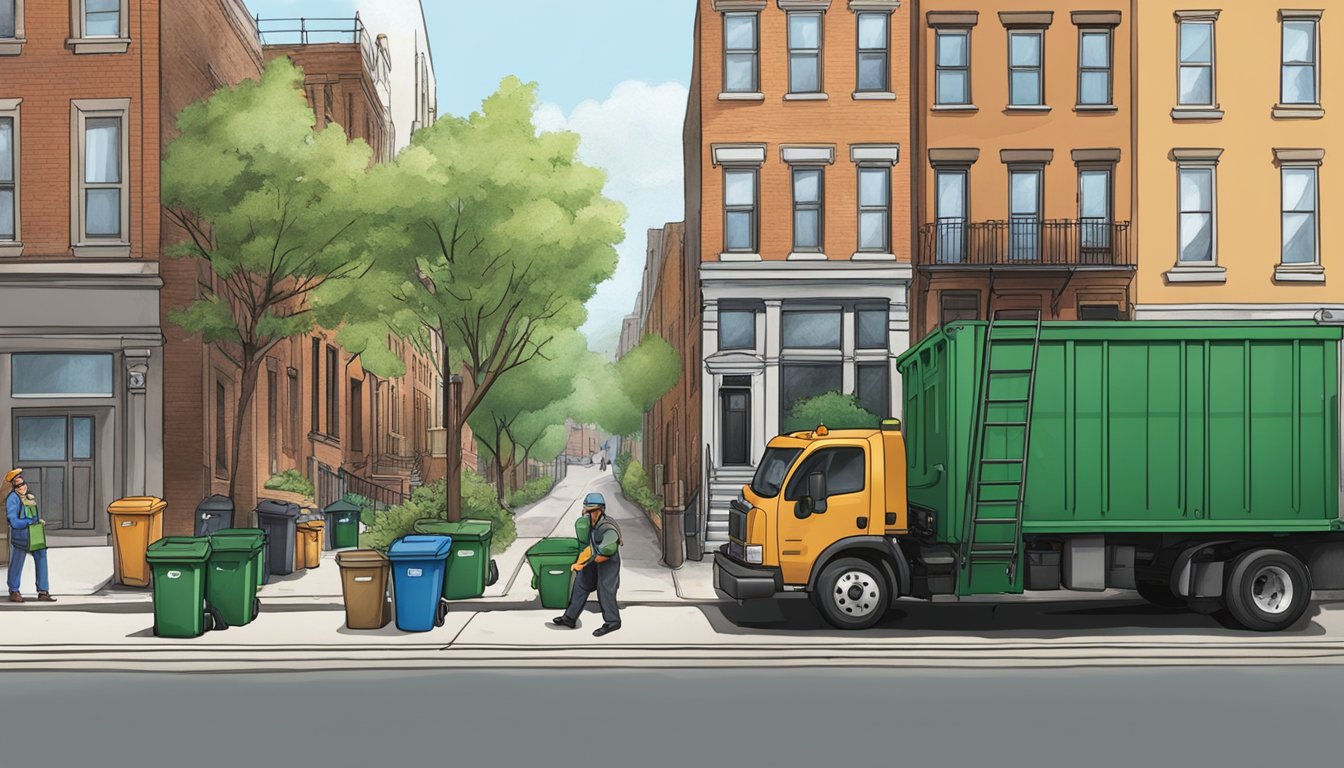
x: 37, y: 537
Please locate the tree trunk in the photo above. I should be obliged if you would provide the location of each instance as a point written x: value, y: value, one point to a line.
x: 247, y: 387
x: 499, y: 471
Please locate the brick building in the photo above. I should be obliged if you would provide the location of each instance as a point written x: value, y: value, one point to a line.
x: 796, y: 200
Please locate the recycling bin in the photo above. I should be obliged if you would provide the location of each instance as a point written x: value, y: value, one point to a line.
x: 308, y: 541
x: 468, y: 570
x: 137, y: 522
x: 278, y: 519
x: 552, y: 575
x: 214, y: 514
x: 231, y: 580
x: 261, y: 570
x: 179, y: 567
x: 342, y: 519
x: 417, y: 581
x: 364, y: 574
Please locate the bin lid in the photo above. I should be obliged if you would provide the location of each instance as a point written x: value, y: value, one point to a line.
x: 176, y: 549
x: 415, y: 547
x: 360, y: 558
x: 340, y: 506
x: 216, y: 503
x: 314, y: 524
x: 462, y: 531
x: 237, y: 539
x: 278, y: 508
x: 566, y: 545
x: 137, y: 505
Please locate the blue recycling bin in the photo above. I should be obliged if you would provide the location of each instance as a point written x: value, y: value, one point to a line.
x: 418, y: 565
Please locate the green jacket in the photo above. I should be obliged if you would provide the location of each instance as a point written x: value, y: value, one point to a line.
x: 609, y: 536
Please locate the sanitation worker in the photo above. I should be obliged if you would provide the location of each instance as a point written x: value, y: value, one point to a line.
x: 598, y: 566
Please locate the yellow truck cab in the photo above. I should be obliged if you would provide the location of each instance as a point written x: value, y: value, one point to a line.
x: 822, y: 515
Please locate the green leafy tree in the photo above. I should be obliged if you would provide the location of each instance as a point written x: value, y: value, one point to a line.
x: 616, y: 396
x: 501, y: 237
x: 833, y: 409
x: 270, y: 205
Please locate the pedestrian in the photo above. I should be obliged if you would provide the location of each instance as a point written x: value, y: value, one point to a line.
x: 600, y: 570
x: 603, y: 466
x: 21, y: 510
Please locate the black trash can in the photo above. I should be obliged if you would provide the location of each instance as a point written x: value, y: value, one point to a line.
x: 214, y: 514
x: 278, y: 519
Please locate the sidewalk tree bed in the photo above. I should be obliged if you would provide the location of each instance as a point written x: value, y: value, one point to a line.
x: 478, y: 503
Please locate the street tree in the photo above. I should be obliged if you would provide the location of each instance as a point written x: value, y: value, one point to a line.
x: 615, y: 396
x: 269, y: 204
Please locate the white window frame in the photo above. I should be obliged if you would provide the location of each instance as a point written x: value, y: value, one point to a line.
x: 740, y: 157
x: 1314, y: 19
x: 1298, y: 160
x: 9, y: 108
x: 81, y: 111
x: 13, y: 46
x: 1193, y: 111
x: 82, y: 42
x: 1211, y: 169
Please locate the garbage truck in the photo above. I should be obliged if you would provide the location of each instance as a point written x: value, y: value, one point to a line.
x: 1196, y: 462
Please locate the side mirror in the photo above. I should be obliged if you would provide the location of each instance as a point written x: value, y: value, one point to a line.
x: 816, y: 488
x: 803, y: 509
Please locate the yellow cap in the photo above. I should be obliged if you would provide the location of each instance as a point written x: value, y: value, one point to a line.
x: 11, y: 474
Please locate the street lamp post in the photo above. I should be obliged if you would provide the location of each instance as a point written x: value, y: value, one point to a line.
x: 452, y: 404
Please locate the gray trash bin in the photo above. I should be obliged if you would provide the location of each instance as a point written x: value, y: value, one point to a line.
x: 214, y: 514
x: 278, y: 519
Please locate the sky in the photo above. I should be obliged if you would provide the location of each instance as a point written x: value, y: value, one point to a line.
x: 615, y: 71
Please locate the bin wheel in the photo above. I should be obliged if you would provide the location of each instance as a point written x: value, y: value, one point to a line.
x: 442, y: 613
x: 256, y: 606
x: 156, y: 630
x: 217, y: 618
x: 493, y: 575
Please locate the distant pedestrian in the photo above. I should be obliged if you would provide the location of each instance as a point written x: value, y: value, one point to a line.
x: 599, y: 567
x: 21, y: 510
x: 603, y: 467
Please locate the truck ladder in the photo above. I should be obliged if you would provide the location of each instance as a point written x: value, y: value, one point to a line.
x: 1000, y: 448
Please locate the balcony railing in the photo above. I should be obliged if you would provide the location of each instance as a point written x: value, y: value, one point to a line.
x: 1025, y: 241
x: 344, y: 30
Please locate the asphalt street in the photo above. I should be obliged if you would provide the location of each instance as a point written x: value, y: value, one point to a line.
x: 1133, y: 717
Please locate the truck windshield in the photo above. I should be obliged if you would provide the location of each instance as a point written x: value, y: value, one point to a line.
x: 772, y: 471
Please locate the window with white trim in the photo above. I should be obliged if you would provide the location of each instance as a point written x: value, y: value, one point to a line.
x: 739, y: 210
x: 99, y: 26
x: 100, y: 212
x: 808, y: 186
x: 874, y: 53
x: 875, y: 209
x: 1300, y: 223
x: 805, y: 53
x: 1198, y: 222
x: 741, y: 53
x: 10, y: 11
x: 1196, y: 64
x: 9, y: 176
x: 1300, y: 70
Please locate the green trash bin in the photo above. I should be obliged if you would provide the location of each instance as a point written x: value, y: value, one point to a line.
x: 342, y: 525
x: 468, y: 571
x: 178, y: 565
x: 262, y: 573
x: 231, y: 585
x: 550, y: 560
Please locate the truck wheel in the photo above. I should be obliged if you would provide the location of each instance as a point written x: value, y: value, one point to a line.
x: 852, y: 594
x: 1267, y: 590
x: 1160, y: 594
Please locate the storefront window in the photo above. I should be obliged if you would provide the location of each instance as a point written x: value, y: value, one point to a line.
x: 61, y: 375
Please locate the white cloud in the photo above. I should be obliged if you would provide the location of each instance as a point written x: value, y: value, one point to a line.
x: 635, y: 136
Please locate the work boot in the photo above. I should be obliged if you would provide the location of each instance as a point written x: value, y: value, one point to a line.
x: 605, y: 629
x: 15, y: 597
x: 45, y: 597
x: 564, y: 621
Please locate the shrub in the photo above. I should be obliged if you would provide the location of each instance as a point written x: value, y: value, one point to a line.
x: 621, y: 465
x: 427, y: 501
x: 530, y: 492
x: 635, y: 487
x: 833, y: 409
x: 290, y: 481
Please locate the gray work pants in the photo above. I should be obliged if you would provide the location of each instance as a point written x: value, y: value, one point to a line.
x: 606, y: 579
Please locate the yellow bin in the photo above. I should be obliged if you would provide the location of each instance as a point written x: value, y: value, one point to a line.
x: 137, y: 522
x: 308, y: 544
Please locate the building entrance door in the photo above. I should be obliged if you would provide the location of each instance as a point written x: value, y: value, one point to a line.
x: 735, y: 406
x: 56, y: 452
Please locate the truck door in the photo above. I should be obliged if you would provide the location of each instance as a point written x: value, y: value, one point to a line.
x: 845, y: 466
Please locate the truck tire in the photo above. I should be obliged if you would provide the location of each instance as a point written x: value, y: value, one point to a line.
x: 852, y: 594
x: 1159, y: 593
x: 1267, y: 590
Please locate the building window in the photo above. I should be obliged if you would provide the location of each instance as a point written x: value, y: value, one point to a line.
x: 100, y: 26
x: 807, y: 207
x: 951, y: 206
x: 221, y: 431
x: 1025, y: 78
x: 739, y: 198
x: 874, y: 55
x: 817, y: 328
x: 875, y: 209
x: 316, y: 386
x: 1099, y: 312
x: 1094, y: 207
x: 1024, y: 214
x: 1197, y: 220
x: 50, y: 375
x: 803, y: 381
x: 870, y: 327
x: 356, y: 416
x: 741, y: 57
x: 1094, y: 67
x: 9, y: 13
x: 102, y: 18
x: 394, y: 406
x: 100, y: 213
x: 1299, y: 216
x: 874, y: 392
x: 333, y: 392
x: 737, y: 329
x: 958, y: 306
x: 804, y: 52
x: 952, y: 74
x: 9, y: 177
x: 1299, y: 62
x: 1196, y: 64
x: 292, y: 444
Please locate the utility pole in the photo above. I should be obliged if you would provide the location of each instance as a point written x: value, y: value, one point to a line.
x: 452, y: 406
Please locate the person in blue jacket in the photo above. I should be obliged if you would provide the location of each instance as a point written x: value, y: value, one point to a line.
x: 22, y: 512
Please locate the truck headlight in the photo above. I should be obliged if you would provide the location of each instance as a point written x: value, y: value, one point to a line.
x: 755, y: 554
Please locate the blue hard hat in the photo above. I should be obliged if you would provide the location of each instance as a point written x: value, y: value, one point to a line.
x: 594, y: 500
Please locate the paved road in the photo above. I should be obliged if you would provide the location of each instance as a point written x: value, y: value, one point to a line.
x: 1133, y: 718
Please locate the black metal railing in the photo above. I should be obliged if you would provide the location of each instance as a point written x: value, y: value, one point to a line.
x: 1025, y: 241
x: 328, y: 485
x: 318, y: 31
x: 381, y: 495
